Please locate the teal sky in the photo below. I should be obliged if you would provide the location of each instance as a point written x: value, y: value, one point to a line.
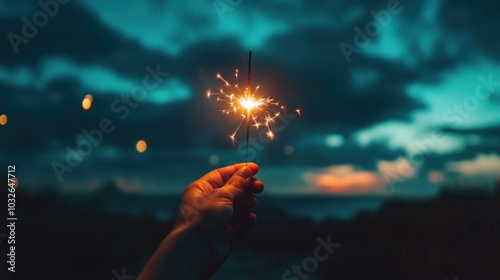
x: 364, y: 118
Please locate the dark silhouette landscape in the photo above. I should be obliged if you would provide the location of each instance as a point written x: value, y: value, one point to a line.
x: 455, y: 235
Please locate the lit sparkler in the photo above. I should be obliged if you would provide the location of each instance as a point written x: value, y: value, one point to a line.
x: 258, y: 111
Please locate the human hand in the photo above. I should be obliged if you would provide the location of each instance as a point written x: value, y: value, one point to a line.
x: 215, y: 210
x: 220, y: 205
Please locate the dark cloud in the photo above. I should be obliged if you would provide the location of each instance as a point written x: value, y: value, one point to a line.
x: 490, y: 131
x: 80, y: 35
x: 476, y: 21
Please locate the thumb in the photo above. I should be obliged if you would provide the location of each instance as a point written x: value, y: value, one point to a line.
x: 239, y: 182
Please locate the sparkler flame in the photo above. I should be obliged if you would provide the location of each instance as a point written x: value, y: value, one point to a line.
x: 257, y: 110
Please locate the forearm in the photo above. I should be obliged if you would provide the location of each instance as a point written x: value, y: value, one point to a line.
x: 183, y: 254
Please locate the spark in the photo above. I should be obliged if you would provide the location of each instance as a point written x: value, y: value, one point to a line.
x: 255, y: 109
x: 259, y: 111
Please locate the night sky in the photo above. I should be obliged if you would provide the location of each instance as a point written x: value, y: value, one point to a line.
x: 397, y: 106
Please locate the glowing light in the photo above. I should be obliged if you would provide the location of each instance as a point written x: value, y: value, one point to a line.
x: 87, y: 102
x: 141, y: 146
x: 3, y: 119
x: 89, y: 97
x: 255, y: 109
x: 258, y: 111
x: 249, y: 103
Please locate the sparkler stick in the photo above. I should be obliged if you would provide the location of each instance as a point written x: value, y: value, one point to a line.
x: 249, y: 88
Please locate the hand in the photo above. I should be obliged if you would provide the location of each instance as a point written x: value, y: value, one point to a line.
x: 215, y: 210
x: 221, y: 204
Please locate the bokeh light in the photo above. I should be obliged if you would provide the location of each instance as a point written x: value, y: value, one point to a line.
x: 87, y: 102
x: 214, y: 159
x: 3, y: 119
x: 435, y: 177
x: 141, y: 146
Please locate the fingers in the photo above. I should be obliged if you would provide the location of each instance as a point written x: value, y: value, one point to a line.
x: 218, y: 177
x: 251, y: 202
x: 256, y: 186
x: 239, y: 183
x: 253, y: 166
x: 243, y: 218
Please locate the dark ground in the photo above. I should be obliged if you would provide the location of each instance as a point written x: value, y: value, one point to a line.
x: 454, y: 236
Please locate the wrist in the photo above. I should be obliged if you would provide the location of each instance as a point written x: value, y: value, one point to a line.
x: 183, y: 254
x: 195, y: 248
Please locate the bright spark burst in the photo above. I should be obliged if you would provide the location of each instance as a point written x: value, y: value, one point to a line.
x: 257, y: 110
